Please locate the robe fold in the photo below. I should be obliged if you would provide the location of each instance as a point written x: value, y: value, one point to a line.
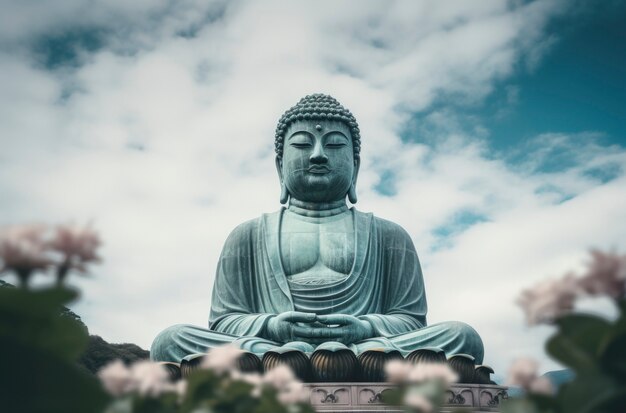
x: 384, y: 287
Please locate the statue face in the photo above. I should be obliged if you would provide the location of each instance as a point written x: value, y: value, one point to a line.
x: 318, y: 160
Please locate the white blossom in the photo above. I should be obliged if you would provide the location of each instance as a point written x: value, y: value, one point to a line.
x: 549, y: 299
x: 150, y: 378
x: 181, y: 387
x: 222, y: 359
x: 523, y: 372
x: 293, y: 392
x: 432, y: 371
x: 78, y: 244
x: 279, y: 377
x: 541, y: 385
x: 290, y: 390
x: 116, y: 378
x: 23, y: 249
x: 606, y: 275
x: 418, y: 402
x: 398, y: 371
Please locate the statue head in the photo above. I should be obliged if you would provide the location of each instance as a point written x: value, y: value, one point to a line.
x: 317, y: 151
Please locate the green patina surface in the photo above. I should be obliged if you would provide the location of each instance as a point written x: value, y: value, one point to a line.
x: 317, y: 272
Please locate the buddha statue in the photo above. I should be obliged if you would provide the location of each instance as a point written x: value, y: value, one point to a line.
x: 318, y: 271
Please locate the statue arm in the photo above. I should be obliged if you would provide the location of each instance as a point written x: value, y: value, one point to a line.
x: 242, y: 325
x: 404, y: 304
x: 232, y: 311
x: 387, y: 325
x: 234, y: 308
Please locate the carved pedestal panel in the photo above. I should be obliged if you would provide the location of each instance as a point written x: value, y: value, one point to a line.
x: 367, y: 397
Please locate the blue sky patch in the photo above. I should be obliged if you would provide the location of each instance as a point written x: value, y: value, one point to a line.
x: 55, y: 50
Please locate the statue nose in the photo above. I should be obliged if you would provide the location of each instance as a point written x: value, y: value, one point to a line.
x: 318, y: 156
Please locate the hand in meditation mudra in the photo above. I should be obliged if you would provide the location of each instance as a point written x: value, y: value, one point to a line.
x: 318, y: 271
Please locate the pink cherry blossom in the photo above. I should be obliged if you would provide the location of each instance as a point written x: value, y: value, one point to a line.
x: 523, y: 372
x: 541, y: 385
x: 606, y: 275
x: 293, y: 392
x: 549, y: 299
x: 116, y: 378
x: 77, y: 244
x: 222, y: 359
x: 290, y: 389
x: 432, y: 371
x: 23, y: 250
x: 150, y: 379
x: 398, y: 371
x: 279, y: 377
x: 181, y: 387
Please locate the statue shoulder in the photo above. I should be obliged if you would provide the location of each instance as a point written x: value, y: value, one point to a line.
x: 249, y: 229
x: 244, y: 229
x: 395, y: 236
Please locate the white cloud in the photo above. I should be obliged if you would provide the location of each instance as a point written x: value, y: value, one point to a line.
x: 167, y: 143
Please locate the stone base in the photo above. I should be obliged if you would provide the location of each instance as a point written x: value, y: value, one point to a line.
x: 366, y: 397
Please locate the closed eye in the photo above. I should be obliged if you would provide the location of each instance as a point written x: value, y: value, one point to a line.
x: 301, y: 140
x: 335, y: 145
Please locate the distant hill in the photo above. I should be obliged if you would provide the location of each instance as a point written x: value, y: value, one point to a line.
x: 99, y: 352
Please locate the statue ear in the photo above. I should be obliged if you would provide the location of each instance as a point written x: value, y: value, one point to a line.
x: 284, y: 193
x: 352, y: 191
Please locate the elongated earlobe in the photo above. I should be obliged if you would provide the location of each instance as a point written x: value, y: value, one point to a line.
x: 352, y: 194
x: 352, y: 190
x: 284, y: 193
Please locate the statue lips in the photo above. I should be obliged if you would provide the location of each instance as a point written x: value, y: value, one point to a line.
x: 317, y: 169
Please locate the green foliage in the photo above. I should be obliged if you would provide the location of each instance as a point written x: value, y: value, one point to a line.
x: 595, y: 349
x: 165, y: 403
x: 220, y: 394
x: 208, y: 392
x: 39, y: 347
x: 394, y: 396
x: 531, y: 404
x: 42, y: 344
x: 579, y: 341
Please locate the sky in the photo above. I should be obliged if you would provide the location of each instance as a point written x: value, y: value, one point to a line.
x: 494, y: 132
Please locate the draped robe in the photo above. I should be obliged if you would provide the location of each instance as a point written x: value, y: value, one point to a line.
x: 385, y: 287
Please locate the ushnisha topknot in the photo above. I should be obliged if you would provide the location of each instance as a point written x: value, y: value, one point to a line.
x: 317, y: 107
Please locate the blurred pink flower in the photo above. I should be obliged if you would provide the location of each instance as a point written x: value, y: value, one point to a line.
x: 78, y: 244
x: 398, y: 371
x: 293, y: 392
x: 150, y: 378
x: 116, y: 378
x: 549, y: 299
x: 418, y: 401
x: 290, y: 389
x: 606, y: 275
x: 432, y: 371
x: 523, y: 372
x: 279, y: 377
x: 181, y: 388
x: 541, y: 385
x: 23, y: 249
x: 222, y: 359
